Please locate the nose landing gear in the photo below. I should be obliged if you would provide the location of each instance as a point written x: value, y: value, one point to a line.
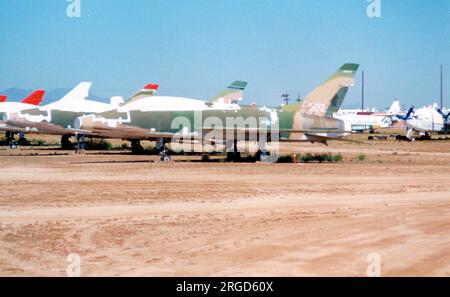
x: 165, y: 157
x: 410, y: 134
x: 136, y: 147
x: 12, y: 142
x: 234, y: 155
x: 66, y: 144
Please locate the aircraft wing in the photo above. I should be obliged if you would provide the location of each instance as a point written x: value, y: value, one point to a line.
x: 8, y: 128
x: 122, y: 131
x: 254, y: 130
x: 311, y: 135
x: 38, y: 127
x: 319, y: 138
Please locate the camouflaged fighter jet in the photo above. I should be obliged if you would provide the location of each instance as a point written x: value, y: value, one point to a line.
x: 168, y: 119
x: 58, y: 117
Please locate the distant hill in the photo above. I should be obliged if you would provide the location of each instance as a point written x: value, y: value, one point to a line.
x: 16, y: 94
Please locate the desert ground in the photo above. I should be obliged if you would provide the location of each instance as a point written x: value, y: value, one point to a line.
x: 127, y: 215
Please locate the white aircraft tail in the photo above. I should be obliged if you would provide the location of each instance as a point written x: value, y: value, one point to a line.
x: 395, y: 107
x: 80, y: 92
x: 116, y: 101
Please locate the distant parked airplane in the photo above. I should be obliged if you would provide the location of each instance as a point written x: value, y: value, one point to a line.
x: 31, y: 102
x: 58, y: 117
x: 368, y: 121
x: 426, y: 120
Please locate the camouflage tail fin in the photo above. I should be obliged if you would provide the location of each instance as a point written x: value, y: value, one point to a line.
x: 328, y: 97
x: 232, y: 94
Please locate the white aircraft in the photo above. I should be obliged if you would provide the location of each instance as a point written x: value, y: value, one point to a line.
x: 74, y: 102
x: 361, y: 121
x: 58, y: 117
x: 6, y: 108
x: 32, y: 101
x: 426, y: 120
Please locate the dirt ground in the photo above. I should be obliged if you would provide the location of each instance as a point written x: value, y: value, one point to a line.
x: 129, y: 215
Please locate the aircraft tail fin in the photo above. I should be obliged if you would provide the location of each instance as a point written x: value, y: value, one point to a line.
x: 395, y: 107
x: 445, y: 116
x: 148, y: 90
x: 3, y: 98
x: 408, y: 114
x: 80, y: 92
x: 232, y: 94
x: 35, y: 98
x: 151, y: 88
x: 327, y: 98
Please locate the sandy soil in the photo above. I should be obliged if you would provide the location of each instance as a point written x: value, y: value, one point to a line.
x: 127, y: 215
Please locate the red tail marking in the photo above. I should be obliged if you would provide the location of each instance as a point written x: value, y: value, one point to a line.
x: 153, y: 87
x: 3, y: 98
x: 35, y: 98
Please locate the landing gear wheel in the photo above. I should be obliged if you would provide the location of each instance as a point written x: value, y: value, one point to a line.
x: 9, y: 137
x: 233, y: 157
x: 165, y: 156
x: 22, y: 141
x: 81, y: 144
x: 136, y: 147
x: 65, y: 143
x: 263, y: 156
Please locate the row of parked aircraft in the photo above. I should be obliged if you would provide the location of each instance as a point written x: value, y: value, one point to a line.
x: 165, y: 119
x: 220, y: 120
x: 425, y: 120
x: 364, y: 120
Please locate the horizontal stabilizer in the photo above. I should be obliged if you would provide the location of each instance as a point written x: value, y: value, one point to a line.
x: 35, y: 98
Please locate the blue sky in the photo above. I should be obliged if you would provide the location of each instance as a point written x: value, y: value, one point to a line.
x: 195, y: 48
